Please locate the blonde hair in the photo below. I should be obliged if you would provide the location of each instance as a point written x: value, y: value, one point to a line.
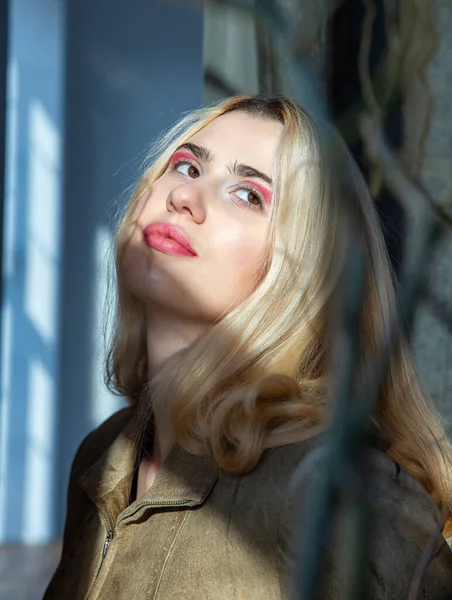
x: 259, y: 378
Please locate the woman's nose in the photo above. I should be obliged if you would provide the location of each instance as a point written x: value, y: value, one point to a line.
x: 187, y: 198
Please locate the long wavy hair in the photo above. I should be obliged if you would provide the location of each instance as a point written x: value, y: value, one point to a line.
x: 261, y: 376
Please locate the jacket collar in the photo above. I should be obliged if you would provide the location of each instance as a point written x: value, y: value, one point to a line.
x: 184, y: 479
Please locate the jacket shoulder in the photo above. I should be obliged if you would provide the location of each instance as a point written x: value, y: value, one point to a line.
x: 90, y: 450
x: 403, y: 531
x: 279, y: 466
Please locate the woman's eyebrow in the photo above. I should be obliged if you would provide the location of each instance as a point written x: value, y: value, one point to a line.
x: 246, y: 171
x: 200, y: 152
x: 204, y: 154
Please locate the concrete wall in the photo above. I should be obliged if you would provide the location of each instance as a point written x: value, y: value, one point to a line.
x: 429, y: 153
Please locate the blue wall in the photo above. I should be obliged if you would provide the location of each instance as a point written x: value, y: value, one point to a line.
x: 31, y: 270
x: 90, y: 85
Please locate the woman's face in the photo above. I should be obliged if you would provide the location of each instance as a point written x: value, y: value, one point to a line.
x: 216, y: 193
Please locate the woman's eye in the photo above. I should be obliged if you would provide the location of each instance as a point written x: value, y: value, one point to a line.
x: 187, y: 169
x: 250, y: 197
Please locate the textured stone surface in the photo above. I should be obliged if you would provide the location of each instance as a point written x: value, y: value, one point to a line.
x: 432, y: 339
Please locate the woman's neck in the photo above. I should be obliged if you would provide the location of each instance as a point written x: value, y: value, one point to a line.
x: 166, y: 335
x: 163, y: 439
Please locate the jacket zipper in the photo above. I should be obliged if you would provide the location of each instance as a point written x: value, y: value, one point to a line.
x: 110, y: 535
x: 150, y: 503
x: 112, y: 532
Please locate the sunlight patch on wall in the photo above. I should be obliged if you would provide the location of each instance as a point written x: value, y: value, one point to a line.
x: 43, y: 223
x: 40, y: 459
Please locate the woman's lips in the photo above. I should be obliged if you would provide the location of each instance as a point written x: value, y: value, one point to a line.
x: 168, y: 239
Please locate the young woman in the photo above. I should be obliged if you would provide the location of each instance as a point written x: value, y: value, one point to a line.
x: 228, y: 257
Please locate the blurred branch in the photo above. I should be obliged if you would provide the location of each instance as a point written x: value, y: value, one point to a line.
x: 406, y: 189
x: 367, y: 90
x: 363, y: 59
x: 438, y: 307
x: 346, y: 444
x: 429, y: 50
x: 307, y: 23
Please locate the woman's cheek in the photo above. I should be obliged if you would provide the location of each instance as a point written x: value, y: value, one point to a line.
x: 141, y: 206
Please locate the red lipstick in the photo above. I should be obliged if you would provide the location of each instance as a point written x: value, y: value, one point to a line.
x: 167, y: 238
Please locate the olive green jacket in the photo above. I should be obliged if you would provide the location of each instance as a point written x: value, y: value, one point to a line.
x: 196, y: 534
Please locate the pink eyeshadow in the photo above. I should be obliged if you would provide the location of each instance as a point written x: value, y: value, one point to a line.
x: 264, y: 191
x: 180, y: 155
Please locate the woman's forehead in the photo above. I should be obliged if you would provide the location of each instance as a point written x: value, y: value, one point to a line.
x: 237, y: 136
